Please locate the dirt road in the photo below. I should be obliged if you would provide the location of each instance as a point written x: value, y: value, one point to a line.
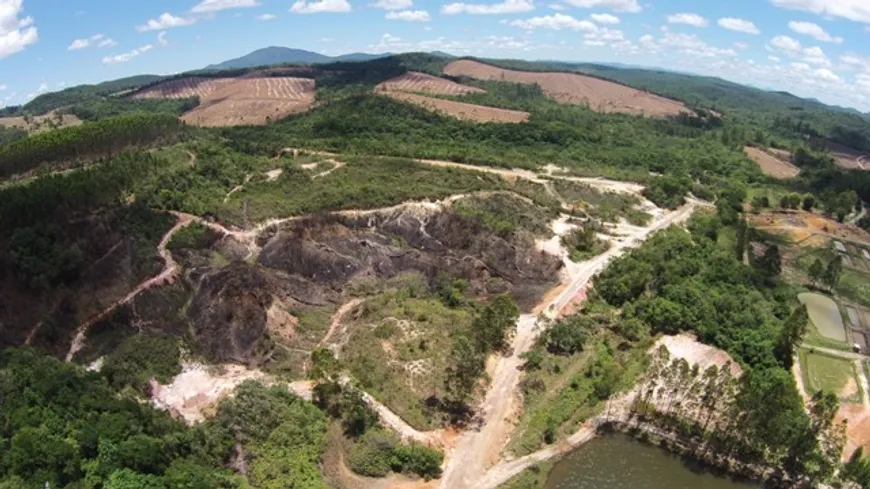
x: 476, y: 450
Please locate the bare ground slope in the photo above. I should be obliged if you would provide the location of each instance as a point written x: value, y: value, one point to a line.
x: 460, y: 110
x: 773, y: 163
x: 570, y: 88
x: 238, y: 101
x: 421, y: 82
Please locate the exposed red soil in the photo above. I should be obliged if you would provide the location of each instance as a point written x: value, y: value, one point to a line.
x: 460, y: 110
x: 238, y: 101
x: 575, y: 89
x: 773, y: 163
x: 423, y: 83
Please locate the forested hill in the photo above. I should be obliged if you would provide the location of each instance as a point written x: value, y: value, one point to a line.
x: 764, y: 108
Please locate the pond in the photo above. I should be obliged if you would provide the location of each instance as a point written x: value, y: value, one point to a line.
x: 620, y: 462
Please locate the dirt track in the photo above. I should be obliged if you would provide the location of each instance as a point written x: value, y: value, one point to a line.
x: 575, y: 89
x: 477, y: 450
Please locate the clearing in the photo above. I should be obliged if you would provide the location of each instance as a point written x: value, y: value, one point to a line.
x: 575, y: 89
x: 461, y: 110
x: 237, y: 101
x: 422, y: 83
x: 849, y: 158
x: 52, y: 120
x: 825, y: 315
x: 773, y: 163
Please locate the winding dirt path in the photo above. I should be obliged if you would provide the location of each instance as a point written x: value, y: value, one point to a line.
x: 477, y: 450
x: 337, y: 322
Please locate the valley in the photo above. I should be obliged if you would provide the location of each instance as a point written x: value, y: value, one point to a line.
x: 419, y: 271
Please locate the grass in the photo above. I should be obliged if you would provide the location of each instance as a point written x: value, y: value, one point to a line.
x: 605, y: 206
x: 363, y: 183
x: 396, y: 330
x: 827, y: 373
x: 535, y: 477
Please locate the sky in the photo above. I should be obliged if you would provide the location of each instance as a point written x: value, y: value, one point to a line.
x: 812, y: 48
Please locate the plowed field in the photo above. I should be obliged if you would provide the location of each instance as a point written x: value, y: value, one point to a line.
x: 774, y: 164
x: 469, y: 112
x: 238, y: 101
x: 570, y: 88
x: 423, y: 83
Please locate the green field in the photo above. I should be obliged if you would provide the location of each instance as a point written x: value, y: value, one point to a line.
x: 831, y: 374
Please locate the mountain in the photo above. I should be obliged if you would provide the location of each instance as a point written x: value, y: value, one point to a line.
x: 275, y: 55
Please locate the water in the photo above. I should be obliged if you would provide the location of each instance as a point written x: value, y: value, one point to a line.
x: 620, y: 462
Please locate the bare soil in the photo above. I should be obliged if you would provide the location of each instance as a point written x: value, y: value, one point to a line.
x: 849, y: 158
x: 773, y: 164
x: 422, y: 83
x: 238, y: 101
x: 575, y: 89
x: 461, y: 110
x: 808, y: 229
x: 41, y: 122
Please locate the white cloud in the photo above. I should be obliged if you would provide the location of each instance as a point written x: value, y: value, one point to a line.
x: 856, y: 10
x: 785, y: 43
x: 123, y: 58
x: 3, y: 87
x: 320, y: 6
x: 739, y: 25
x: 555, y: 22
x: 741, y: 45
x: 100, y: 40
x: 690, y: 19
x: 161, y: 38
x: 815, y: 56
x: 15, y: 33
x: 393, y: 4
x: 556, y: 6
x: 79, y: 44
x: 617, y: 5
x: 218, y: 5
x: 774, y: 59
x: 813, y: 30
x: 409, y: 15
x: 856, y: 61
x: 603, y: 36
x: 266, y: 17
x: 692, y: 45
x: 605, y: 18
x: 826, y: 74
x: 165, y: 21
x: 43, y: 87
x: 503, y: 7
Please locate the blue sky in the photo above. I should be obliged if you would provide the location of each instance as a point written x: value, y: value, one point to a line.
x: 813, y: 48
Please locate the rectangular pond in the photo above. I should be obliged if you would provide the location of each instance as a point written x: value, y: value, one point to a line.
x: 825, y: 315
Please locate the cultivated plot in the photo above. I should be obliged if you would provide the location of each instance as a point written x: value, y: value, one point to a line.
x: 827, y: 373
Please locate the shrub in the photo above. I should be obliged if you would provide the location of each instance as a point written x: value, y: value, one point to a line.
x: 373, y: 455
x: 418, y: 459
x: 141, y: 357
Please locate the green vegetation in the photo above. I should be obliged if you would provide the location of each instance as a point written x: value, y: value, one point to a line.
x: 535, y: 477
x: 104, y: 108
x: 195, y: 236
x: 86, y: 141
x: 504, y: 214
x: 141, y: 358
x: 584, y: 243
x: 63, y: 427
x: 826, y: 373
x: 603, y: 206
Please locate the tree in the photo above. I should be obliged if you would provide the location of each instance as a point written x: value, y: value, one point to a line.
x: 817, y: 271
x: 771, y: 263
x: 465, y: 366
x: 567, y: 336
x: 808, y: 203
x: 791, y: 336
x: 832, y: 273
x: 493, y: 327
x: 128, y: 479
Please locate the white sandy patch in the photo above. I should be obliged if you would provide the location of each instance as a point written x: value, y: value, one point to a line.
x: 695, y: 353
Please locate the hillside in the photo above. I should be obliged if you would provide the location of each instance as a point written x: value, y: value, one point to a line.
x: 275, y: 55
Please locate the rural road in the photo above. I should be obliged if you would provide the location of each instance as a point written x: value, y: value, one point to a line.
x: 477, y: 450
